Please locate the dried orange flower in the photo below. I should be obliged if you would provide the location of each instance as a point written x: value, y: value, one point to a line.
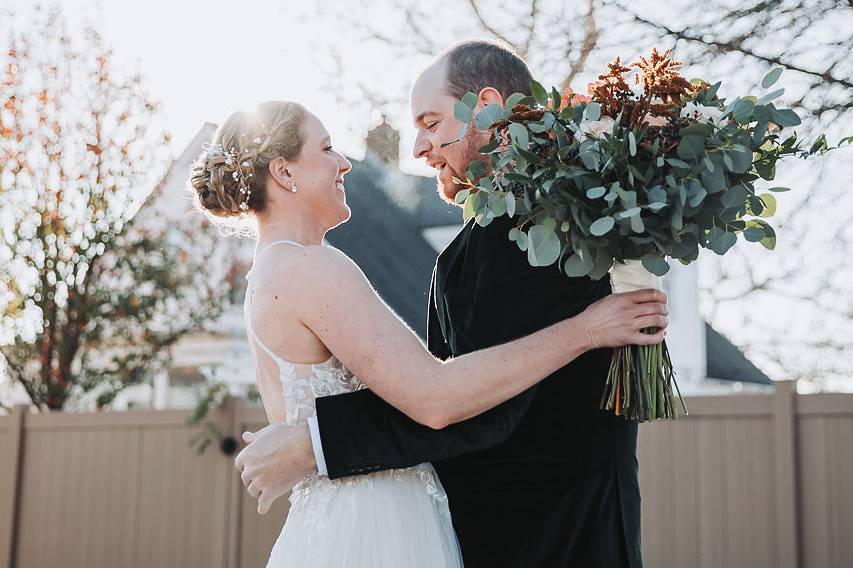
x: 612, y: 92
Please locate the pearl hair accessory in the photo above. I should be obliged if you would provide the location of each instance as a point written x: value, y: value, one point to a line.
x: 239, y: 163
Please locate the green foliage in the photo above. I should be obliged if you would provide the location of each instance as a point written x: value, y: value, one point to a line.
x: 618, y: 194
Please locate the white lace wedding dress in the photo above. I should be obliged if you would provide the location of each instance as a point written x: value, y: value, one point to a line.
x: 394, y: 519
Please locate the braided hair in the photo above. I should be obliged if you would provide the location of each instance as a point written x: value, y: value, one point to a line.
x: 229, y: 177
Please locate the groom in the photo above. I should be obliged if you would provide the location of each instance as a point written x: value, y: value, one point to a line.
x: 545, y: 479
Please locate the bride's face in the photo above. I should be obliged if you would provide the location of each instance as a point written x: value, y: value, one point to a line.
x: 319, y: 174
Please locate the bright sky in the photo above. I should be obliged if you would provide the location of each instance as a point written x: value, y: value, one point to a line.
x: 204, y: 60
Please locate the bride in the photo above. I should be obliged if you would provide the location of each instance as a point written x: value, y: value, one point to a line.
x: 316, y: 327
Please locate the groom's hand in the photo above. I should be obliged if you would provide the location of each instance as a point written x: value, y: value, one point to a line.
x: 275, y: 459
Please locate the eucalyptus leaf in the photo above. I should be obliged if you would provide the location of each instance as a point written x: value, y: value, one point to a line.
x: 771, y: 77
x: 593, y: 111
x: 769, y: 205
x: 463, y: 112
x: 471, y: 205
x: 695, y: 193
x: 637, y: 224
x: 596, y: 192
x: 759, y: 133
x: 742, y: 110
x: 768, y: 242
x: 678, y: 163
x: 721, y: 241
x: 754, y: 234
x: 496, y: 204
x: 628, y: 213
x: 519, y: 135
x: 786, y: 117
x: 655, y: 264
x: 543, y: 246
x: 577, y: 266
x: 476, y: 169
x: 770, y: 96
x: 741, y: 158
x: 714, y: 181
x: 734, y: 197
x: 602, y: 226
x: 470, y: 99
x: 513, y: 100
x: 539, y: 93
x: 509, y: 198
x: 691, y: 147
x: 488, y: 116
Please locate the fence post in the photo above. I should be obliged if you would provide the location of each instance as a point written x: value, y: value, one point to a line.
x: 9, y: 514
x: 785, y: 437
x: 232, y: 513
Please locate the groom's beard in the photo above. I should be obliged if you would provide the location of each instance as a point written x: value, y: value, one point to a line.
x: 469, y: 151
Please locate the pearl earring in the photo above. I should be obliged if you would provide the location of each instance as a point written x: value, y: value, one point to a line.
x: 293, y: 187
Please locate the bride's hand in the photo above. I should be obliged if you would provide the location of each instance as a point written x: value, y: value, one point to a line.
x: 617, y: 319
x: 276, y: 458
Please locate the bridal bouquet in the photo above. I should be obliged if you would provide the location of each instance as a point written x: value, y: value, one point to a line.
x: 620, y: 180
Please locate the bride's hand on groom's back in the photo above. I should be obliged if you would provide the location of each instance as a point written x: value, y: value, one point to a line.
x: 617, y: 319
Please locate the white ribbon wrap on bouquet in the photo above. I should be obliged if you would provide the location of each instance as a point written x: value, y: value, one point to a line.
x: 632, y: 276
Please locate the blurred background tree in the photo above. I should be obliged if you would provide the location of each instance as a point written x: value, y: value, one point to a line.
x: 96, y: 281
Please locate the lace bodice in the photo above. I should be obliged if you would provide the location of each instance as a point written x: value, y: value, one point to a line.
x: 301, y: 383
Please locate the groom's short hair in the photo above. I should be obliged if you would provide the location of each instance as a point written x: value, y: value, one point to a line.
x: 477, y: 64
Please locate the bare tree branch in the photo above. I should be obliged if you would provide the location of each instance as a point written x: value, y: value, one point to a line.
x: 487, y: 27
x: 531, y: 29
x: 589, y: 42
x: 737, y: 46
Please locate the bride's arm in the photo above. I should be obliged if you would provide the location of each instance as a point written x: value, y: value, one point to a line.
x: 341, y: 307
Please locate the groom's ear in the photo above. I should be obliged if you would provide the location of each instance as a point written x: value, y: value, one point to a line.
x: 488, y: 96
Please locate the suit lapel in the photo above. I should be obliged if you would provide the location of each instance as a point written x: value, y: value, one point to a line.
x: 447, y: 274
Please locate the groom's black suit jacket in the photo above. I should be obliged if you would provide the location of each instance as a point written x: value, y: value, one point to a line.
x: 544, y: 479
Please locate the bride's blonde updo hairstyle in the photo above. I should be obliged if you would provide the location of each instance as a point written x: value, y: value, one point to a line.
x: 229, y: 178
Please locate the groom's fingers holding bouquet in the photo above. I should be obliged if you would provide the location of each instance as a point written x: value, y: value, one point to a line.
x: 617, y: 319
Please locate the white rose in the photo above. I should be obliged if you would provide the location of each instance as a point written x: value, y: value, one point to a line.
x: 594, y: 128
x: 712, y: 114
x: 690, y: 110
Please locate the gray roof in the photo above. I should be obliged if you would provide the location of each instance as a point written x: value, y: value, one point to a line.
x: 726, y: 362
x: 384, y: 238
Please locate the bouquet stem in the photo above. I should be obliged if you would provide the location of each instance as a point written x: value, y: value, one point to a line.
x: 641, y: 382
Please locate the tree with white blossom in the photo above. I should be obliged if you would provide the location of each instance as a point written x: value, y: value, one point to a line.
x: 95, y: 282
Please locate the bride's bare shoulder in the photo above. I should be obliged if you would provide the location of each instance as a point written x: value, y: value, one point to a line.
x: 313, y: 265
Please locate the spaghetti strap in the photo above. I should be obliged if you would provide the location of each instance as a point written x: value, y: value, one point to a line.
x: 269, y: 246
x: 260, y: 343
